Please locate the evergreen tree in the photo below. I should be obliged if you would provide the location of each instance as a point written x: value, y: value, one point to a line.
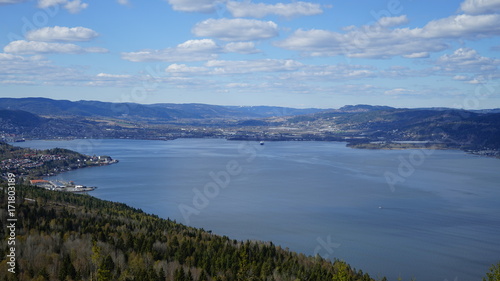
x: 203, y: 277
x: 494, y: 274
x: 105, y: 271
x: 67, y: 269
x: 179, y: 274
x: 161, y: 275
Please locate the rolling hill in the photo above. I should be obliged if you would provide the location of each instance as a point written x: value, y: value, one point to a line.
x: 135, y: 111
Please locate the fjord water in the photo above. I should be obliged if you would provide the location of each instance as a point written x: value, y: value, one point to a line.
x: 439, y: 221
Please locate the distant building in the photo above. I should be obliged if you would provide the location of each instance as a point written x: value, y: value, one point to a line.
x: 105, y: 159
x: 38, y: 182
x: 43, y: 184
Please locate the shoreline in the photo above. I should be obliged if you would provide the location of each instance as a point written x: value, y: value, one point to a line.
x: 355, y: 144
x: 36, y: 179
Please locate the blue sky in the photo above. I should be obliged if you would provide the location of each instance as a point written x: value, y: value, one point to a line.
x: 324, y: 53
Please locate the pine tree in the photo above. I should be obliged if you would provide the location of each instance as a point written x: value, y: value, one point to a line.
x: 203, y: 277
x: 105, y: 271
x: 67, y: 269
x: 494, y: 274
x: 161, y: 275
x: 179, y: 274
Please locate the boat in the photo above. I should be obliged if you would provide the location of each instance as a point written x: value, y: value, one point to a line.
x: 261, y: 143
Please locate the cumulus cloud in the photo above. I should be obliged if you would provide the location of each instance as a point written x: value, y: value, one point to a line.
x: 380, y: 41
x: 400, y: 92
x: 252, y: 66
x: 17, y: 69
x: 336, y: 72
x: 236, y: 29
x: 6, y: 2
x: 191, y: 50
x: 184, y: 69
x: 417, y: 55
x: 18, y: 82
x: 10, y: 57
x: 61, y: 34
x: 260, y: 10
x: 462, y: 27
x: 73, y: 7
x: 466, y: 60
x: 34, y: 47
x: 113, y: 76
x: 461, y: 78
x: 241, y: 47
x: 480, y: 6
x: 392, y: 21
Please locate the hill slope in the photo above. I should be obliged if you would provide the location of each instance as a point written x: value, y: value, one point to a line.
x: 162, y: 111
x: 62, y: 236
x: 452, y: 127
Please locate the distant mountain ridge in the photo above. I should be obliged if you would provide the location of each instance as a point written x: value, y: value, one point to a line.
x: 364, y: 125
x: 160, y: 111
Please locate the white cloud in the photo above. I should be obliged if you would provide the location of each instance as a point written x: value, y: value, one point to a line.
x: 380, y: 41
x: 461, y: 27
x: 113, y: 76
x: 33, y: 68
x: 203, y: 6
x: 73, y: 7
x: 198, y: 45
x: 9, y: 57
x: 336, y: 72
x: 236, y: 29
x: 61, y: 34
x: 252, y: 66
x: 400, y: 91
x: 191, y: 50
x: 460, y: 78
x: 18, y: 82
x: 184, y: 69
x: 392, y: 21
x: 123, y: 2
x: 467, y: 60
x: 260, y: 10
x: 241, y: 47
x: 239, y: 85
x: 417, y: 55
x: 480, y: 6
x: 6, y: 2
x: 34, y: 47
x: 49, y: 3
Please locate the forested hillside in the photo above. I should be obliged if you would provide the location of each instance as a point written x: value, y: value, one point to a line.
x: 63, y: 236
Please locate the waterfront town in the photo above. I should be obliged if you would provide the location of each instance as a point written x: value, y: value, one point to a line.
x: 31, y: 165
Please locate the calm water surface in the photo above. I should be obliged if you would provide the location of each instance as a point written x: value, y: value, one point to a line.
x: 440, y: 221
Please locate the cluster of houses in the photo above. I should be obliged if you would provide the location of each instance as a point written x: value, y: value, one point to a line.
x: 28, y: 161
